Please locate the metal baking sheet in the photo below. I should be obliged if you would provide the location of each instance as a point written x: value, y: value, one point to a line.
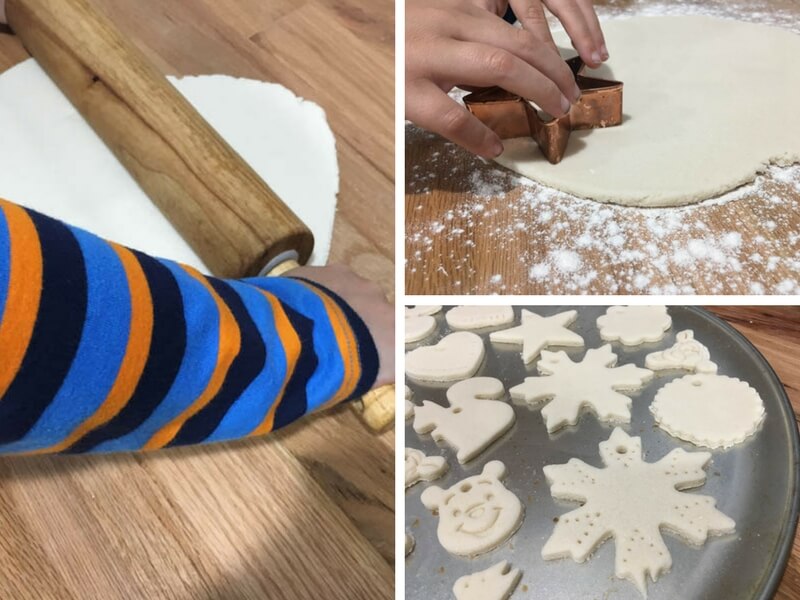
x: 755, y: 483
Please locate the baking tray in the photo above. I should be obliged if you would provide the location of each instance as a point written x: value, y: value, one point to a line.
x: 755, y: 482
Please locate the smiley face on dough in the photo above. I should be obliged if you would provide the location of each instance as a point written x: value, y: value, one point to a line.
x: 476, y: 514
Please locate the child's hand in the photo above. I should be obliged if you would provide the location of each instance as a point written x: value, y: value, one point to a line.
x: 367, y: 299
x: 465, y: 42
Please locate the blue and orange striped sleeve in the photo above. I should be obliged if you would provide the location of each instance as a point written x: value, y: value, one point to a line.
x: 104, y: 349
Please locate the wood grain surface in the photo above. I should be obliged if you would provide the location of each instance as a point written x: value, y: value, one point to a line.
x: 308, y: 511
x: 775, y: 331
x: 474, y: 228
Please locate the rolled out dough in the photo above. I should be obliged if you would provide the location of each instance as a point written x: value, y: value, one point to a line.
x: 708, y: 103
x: 52, y: 161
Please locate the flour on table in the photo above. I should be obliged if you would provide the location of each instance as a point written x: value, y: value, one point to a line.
x: 708, y: 410
x: 593, y: 384
x: 634, y: 325
x: 478, y: 317
x: 495, y: 583
x: 455, y: 356
x: 474, y: 419
x: 409, y: 405
x: 631, y: 501
x: 477, y: 514
x: 537, y: 332
x: 423, y: 468
x: 52, y: 161
x: 687, y: 354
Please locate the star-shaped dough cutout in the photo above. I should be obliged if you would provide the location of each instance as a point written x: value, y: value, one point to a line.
x: 537, y: 332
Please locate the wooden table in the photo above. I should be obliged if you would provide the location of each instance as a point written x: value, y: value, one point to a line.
x: 474, y: 228
x: 775, y: 331
x: 309, y: 511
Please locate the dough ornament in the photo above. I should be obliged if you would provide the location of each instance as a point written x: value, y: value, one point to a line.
x: 420, y: 322
x: 478, y: 317
x: 455, y: 356
x: 423, y: 468
x: 687, y: 354
x: 537, y: 332
x: 631, y: 501
x: 409, y: 543
x: 409, y: 405
x: 634, y: 325
x: 593, y: 384
x: 477, y: 514
x: 708, y: 410
x: 495, y: 583
x: 474, y: 419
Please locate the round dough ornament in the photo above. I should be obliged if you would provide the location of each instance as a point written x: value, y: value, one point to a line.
x: 708, y: 410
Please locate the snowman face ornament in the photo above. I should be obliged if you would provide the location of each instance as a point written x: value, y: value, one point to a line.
x: 476, y: 514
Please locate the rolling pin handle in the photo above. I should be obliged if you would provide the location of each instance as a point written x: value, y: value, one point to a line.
x: 285, y: 261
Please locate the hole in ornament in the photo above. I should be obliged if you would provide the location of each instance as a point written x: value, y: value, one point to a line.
x: 465, y: 488
x: 697, y: 383
x: 489, y: 497
x: 622, y: 450
x: 456, y: 513
x: 456, y: 411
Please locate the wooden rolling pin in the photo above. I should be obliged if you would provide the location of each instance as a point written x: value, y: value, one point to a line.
x: 216, y: 201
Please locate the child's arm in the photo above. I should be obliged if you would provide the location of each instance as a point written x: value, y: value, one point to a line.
x: 103, y: 348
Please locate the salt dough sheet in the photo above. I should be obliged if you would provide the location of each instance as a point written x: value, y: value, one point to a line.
x: 52, y: 161
x: 700, y: 119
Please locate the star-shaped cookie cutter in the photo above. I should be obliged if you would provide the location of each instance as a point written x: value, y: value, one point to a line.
x: 510, y: 116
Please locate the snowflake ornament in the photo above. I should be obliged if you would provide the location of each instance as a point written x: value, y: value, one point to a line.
x: 631, y: 501
x: 592, y: 384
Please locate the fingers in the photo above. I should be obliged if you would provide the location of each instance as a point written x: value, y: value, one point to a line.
x: 573, y: 18
x: 477, y: 64
x: 530, y: 14
x: 522, y: 44
x: 429, y: 107
x: 587, y: 7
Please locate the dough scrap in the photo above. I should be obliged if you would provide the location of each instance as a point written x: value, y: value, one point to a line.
x: 634, y: 325
x: 423, y: 468
x: 708, y: 410
x: 419, y: 322
x: 455, y: 356
x: 477, y: 514
x: 677, y: 144
x: 473, y: 421
x: 495, y: 583
x: 593, y: 383
x: 687, y: 354
x: 52, y: 161
x: 409, y: 405
x: 537, y: 332
x: 631, y: 500
x: 410, y: 543
x: 478, y: 317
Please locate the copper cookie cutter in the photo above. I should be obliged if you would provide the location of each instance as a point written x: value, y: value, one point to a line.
x: 510, y: 116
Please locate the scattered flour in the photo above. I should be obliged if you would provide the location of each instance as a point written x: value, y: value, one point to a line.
x: 572, y: 245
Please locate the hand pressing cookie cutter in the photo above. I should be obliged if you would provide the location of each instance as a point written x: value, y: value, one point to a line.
x: 510, y: 116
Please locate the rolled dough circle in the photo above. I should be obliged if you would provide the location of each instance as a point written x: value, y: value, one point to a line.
x: 708, y: 103
x: 52, y: 161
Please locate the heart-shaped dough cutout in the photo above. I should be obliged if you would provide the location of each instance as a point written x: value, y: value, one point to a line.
x: 456, y: 356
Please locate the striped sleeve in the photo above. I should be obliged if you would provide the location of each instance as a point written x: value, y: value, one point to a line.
x: 106, y: 349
